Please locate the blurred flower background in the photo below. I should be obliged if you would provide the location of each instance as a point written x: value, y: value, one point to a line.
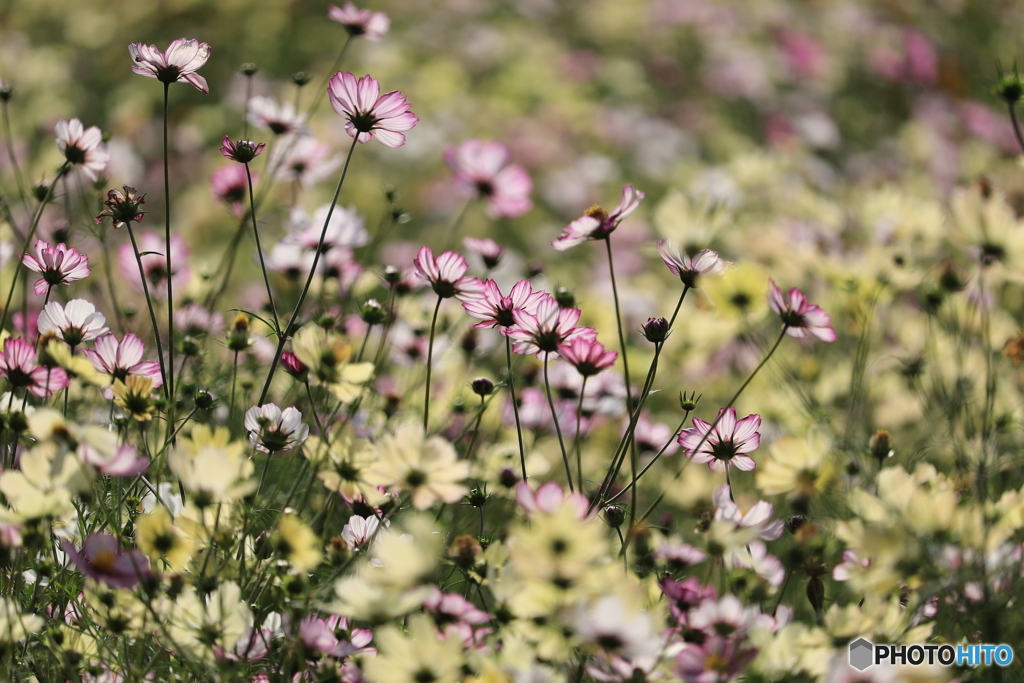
x: 820, y: 217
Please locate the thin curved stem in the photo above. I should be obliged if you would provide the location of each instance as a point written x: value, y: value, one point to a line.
x: 686, y: 288
x: 309, y: 280
x: 259, y: 251
x: 170, y: 269
x: 558, y: 428
x: 430, y: 361
x: 648, y: 466
x: 323, y: 87
x: 13, y: 158
x: 1016, y: 127
x: 515, y: 405
x: 577, y: 447
x: 152, y: 312
x: 28, y: 238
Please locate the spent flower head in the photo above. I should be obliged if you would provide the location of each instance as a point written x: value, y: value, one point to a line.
x: 123, y: 207
x: 180, y: 62
x: 242, y: 151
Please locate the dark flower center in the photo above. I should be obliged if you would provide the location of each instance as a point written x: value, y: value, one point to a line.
x: 278, y: 127
x: 792, y: 319
x: 485, y: 188
x: 364, y: 121
x: 74, y: 155
x: 168, y: 74
x: 724, y: 450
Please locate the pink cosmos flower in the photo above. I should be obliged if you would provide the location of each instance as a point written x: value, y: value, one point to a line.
x: 447, y: 275
x: 124, y: 462
x: 758, y: 517
x: 102, y: 559
x: 231, y: 186
x: 360, y: 22
x: 154, y: 263
x: 588, y: 357
x: 704, y: 262
x: 495, y: 310
x: 77, y: 322
x: 487, y: 249
x: 726, y: 444
x: 304, y: 159
x: 18, y: 364
x: 800, y: 318
x: 60, y: 265
x: 546, y: 328
x: 596, y: 223
x: 549, y: 498
x: 347, y: 228
x: 242, y: 151
x: 181, y: 61
x: 483, y: 168
x: 280, y: 118
x: 121, y: 359
x: 370, y: 114
x: 82, y: 147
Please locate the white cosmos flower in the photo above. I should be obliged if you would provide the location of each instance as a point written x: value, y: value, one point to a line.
x: 75, y: 323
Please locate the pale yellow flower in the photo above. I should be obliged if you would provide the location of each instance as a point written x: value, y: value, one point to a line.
x: 427, y: 466
x: 211, y: 467
x: 419, y: 655
x: 799, y: 468
x: 162, y: 540
x: 297, y: 544
x: 327, y: 355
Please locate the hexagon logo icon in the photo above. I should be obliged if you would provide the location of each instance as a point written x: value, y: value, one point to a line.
x: 861, y: 654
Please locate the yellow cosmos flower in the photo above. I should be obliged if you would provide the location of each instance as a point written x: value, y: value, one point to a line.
x: 163, y: 541
x: 799, y: 468
x: 297, y: 544
x: 327, y: 355
x: 428, y: 466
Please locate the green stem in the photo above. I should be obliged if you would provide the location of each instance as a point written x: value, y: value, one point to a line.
x: 577, y: 446
x: 170, y: 269
x: 558, y: 428
x: 28, y: 239
x: 653, y: 460
x: 309, y: 280
x: 430, y: 359
x: 259, y: 251
x: 515, y: 405
x: 152, y: 312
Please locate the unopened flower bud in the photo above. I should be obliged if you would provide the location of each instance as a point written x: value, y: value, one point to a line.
x: 1009, y: 88
x: 373, y: 313
x: 508, y: 478
x: 482, y: 386
x: 6, y: 92
x: 689, y: 403
x: 204, y: 400
x: 614, y: 516
x: 656, y: 330
x: 476, y: 498
x: 392, y: 275
x: 880, y: 446
x: 565, y: 297
x: 301, y: 78
x: 464, y: 551
x: 248, y: 69
x: 293, y: 366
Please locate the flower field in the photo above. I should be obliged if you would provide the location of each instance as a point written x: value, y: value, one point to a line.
x: 473, y: 341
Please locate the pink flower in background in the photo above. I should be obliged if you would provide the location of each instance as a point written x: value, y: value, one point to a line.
x: 120, y: 359
x: 922, y: 60
x: 123, y: 462
x: 704, y: 262
x: 360, y: 22
x: 154, y: 262
x: 231, y: 186
x: 447, y: 275
x: 484, y: 169
x: 370, y: 114
x: 486, y: 248
x: 181, y: 61
x: 102, y: 559
x: 596, y: 223
x: 304, y: 159
x: 549, y: 498
x: 587, y: 356
x: 279, y: 117
x: 19, y: 364
x: 800, y: 318
x: 495, y: 310
x: 60, y: 265
x: 82, y: 147
x: 726, y: 444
